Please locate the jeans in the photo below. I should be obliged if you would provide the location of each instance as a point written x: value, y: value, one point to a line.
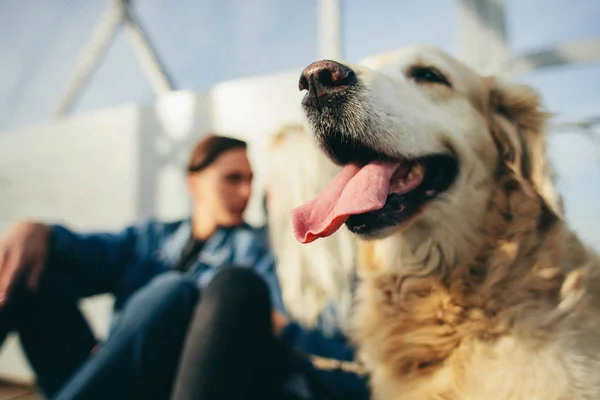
x: 138, y: 360
x: 230, y: 350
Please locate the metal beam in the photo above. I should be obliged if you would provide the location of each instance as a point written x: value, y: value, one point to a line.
x: 158, y: 77
x: 566, y: 54
x: 329, y: 20
x: 482, y: 25
x: 118, y: 13
x: 90, y: 56
x: 590, y: 124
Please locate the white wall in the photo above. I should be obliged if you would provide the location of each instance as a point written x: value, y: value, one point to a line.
x: 254, y: 109
x: 81, y: 172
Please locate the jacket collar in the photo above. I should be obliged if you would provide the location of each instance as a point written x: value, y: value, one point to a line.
x: 173, y: 246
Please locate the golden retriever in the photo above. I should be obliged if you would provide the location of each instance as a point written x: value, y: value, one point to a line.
x: 472, y: 284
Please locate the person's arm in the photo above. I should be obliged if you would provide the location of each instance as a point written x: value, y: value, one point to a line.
x: 313, y: 341
x: 264, y: 265
x: 95, y: 261
x: 252, y: 251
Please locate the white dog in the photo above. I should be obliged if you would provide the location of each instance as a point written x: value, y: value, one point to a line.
x: 317, y: 280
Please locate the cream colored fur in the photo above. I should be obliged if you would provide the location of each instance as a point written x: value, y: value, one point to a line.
x: 312, y: 278
x: 486, y: 294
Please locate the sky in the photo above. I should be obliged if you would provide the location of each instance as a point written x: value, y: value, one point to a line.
x: 203, y: 42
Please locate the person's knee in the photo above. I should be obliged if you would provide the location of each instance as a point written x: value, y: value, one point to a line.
x: 173, y: 282
x: 238, y: 284
x: 167, y: 300
x: 168, y: 288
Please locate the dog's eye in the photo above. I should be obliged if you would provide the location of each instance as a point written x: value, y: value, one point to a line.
x: 428, y: 75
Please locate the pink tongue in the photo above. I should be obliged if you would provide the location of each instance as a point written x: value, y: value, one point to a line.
x: 354, y: 190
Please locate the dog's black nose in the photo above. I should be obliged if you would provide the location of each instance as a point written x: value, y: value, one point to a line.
x: 324, y: 79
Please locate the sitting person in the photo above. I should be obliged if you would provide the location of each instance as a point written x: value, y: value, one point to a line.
x: 158, y: 273
x: 280, y: 358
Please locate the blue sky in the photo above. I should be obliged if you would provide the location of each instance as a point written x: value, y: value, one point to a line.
x: 204, y: 42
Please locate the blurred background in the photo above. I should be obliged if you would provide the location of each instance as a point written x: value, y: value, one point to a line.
x: 101, y: 100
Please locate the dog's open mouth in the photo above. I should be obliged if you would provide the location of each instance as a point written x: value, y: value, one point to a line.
x: 372, y: 192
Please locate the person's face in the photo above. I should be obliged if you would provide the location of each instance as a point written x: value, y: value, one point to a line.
x: 224, y: 187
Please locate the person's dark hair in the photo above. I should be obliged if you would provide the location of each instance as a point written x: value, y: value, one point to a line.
x: 209, y: 148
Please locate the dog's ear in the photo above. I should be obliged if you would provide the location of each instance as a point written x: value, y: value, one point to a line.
x: 518, y: 125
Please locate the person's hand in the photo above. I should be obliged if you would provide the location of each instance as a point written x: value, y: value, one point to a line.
x: 22, y: 246
x: 279, y: 321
